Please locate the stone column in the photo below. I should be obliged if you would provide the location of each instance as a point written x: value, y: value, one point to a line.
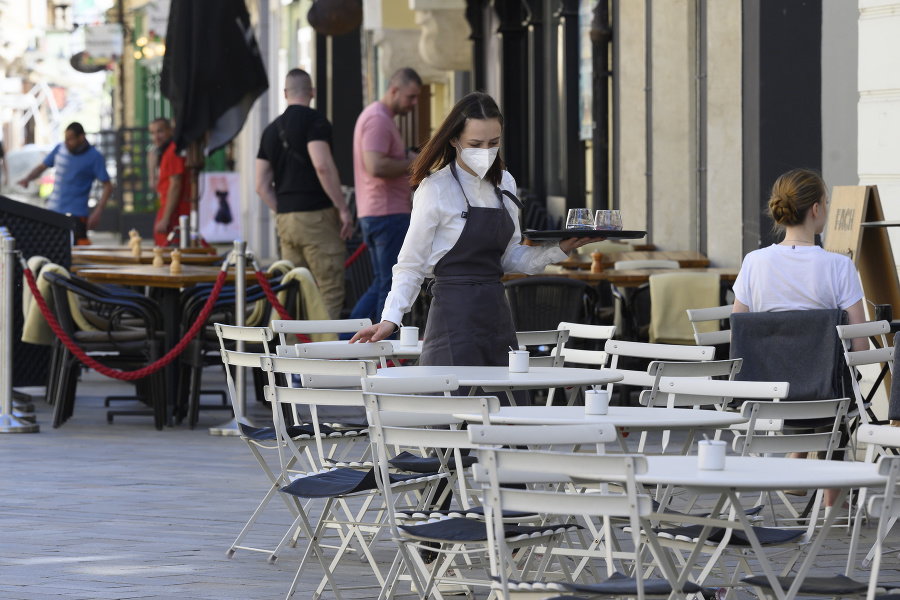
x: 630, y: 71
x: 674, y: 207
x: 724, y: 155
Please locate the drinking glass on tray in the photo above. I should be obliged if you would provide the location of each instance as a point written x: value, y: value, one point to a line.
x: 579, y: 218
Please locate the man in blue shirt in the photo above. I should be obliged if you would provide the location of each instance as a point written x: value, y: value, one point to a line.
x: 77, y: 164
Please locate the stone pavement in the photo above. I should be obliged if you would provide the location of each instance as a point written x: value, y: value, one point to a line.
x: 97, y: 511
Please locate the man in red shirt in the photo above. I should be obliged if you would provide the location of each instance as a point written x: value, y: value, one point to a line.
x: 172, y: 187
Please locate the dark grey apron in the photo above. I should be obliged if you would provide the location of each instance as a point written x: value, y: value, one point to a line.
x: 469, y: 321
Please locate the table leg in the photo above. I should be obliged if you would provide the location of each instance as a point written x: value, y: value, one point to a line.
x: 171, y: 310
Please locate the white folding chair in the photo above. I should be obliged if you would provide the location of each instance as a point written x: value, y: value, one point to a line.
x: 256, y: 438
x: 783, y: 428
x: 581, y: 334
x: 710, y: 335
x: 883, y: 506
x: 335, y: 485
x: 300, y: 435
x: 883, y: 357
x: 620, y: 351
x: 551, y: 341
x: 497, y: 469
x: 876, y: 438
x: 408, y: 433
x: 317, y: 329
x: 655, y: 396
x: 702, y: 369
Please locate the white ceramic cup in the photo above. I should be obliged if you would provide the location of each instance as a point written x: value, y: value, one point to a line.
x: 711, y: 455
x: 518, y: 361
x: 596, y: 402
x: 409, y: 336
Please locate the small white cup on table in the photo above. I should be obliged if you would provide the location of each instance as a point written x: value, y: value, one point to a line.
x: 596, y: 402
x: 409, y: 336
x: 711, y: 455
x: 518, y: 361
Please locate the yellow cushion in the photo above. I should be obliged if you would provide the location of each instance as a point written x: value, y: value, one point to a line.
x: 36, y: 330
x: 671, y: 295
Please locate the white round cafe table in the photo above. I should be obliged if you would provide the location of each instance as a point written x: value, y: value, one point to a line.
x: 499, y: 378
x: 751, y: 474
x: 629, y: 417
x: 761, y: 473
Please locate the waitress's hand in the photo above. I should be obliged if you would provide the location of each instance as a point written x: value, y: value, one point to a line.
x: 374, y: 333
x: 570, y: 244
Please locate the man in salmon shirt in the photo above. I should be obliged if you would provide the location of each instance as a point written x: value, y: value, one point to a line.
x: 381, y: 173
x: 172, y: 185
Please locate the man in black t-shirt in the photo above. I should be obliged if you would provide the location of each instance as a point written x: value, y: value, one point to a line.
x: 296, y: 177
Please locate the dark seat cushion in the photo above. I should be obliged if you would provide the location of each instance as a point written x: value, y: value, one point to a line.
x: 406, y: 461
x: 473, y: 530
x: 837, y: 585
x: 338, y: 482
x: 768, y: 536
x: 267, y: 434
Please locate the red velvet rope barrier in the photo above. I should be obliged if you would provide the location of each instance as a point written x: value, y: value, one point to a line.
x: 355, y: 255
x: 116, y: 373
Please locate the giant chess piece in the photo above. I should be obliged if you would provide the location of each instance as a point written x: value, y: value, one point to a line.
x: 175, y: 267
x: 134, y: 242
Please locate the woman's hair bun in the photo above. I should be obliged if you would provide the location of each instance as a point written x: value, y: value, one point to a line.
x: 783, y: 210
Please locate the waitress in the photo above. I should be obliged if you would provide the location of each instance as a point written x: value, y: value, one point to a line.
x: 464, y: 232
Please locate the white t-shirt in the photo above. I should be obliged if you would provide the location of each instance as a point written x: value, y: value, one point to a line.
x: 435, y: 226
x: 780, y: 278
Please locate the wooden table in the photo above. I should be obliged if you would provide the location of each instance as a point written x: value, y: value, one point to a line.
x: 125, y: 257
x: 158, y: 277
x: 122, y: 248
x: 170, y: 284
x: 625, y: 278
x: 688, y: 259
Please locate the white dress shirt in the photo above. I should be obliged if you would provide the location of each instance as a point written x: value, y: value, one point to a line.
x: 435, y: 226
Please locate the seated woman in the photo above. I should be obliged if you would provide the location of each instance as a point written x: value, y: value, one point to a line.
x: 796, y: 274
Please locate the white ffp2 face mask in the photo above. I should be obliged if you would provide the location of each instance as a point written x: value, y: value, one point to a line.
x: 479, y: 159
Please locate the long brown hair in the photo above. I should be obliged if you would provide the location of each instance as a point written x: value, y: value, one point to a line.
x: 438, y: 152
x: 793, y: 194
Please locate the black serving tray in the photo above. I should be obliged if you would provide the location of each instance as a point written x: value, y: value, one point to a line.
x: 562, y: 234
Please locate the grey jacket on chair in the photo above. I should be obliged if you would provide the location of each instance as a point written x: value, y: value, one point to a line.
x: 894, y: 402
x: 798, y: 346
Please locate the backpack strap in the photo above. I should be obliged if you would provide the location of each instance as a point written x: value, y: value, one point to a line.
x: 282, y: 135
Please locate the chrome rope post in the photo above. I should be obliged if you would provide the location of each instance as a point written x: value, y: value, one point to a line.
x: 184, y: 237
x: 9, y: 423
x: 239, y: 255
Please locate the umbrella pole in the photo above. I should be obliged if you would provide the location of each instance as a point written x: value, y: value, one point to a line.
x: 194, y: 164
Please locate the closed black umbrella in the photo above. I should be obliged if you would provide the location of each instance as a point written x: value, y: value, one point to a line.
x: 212, y: 70
x: 212, y: 73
